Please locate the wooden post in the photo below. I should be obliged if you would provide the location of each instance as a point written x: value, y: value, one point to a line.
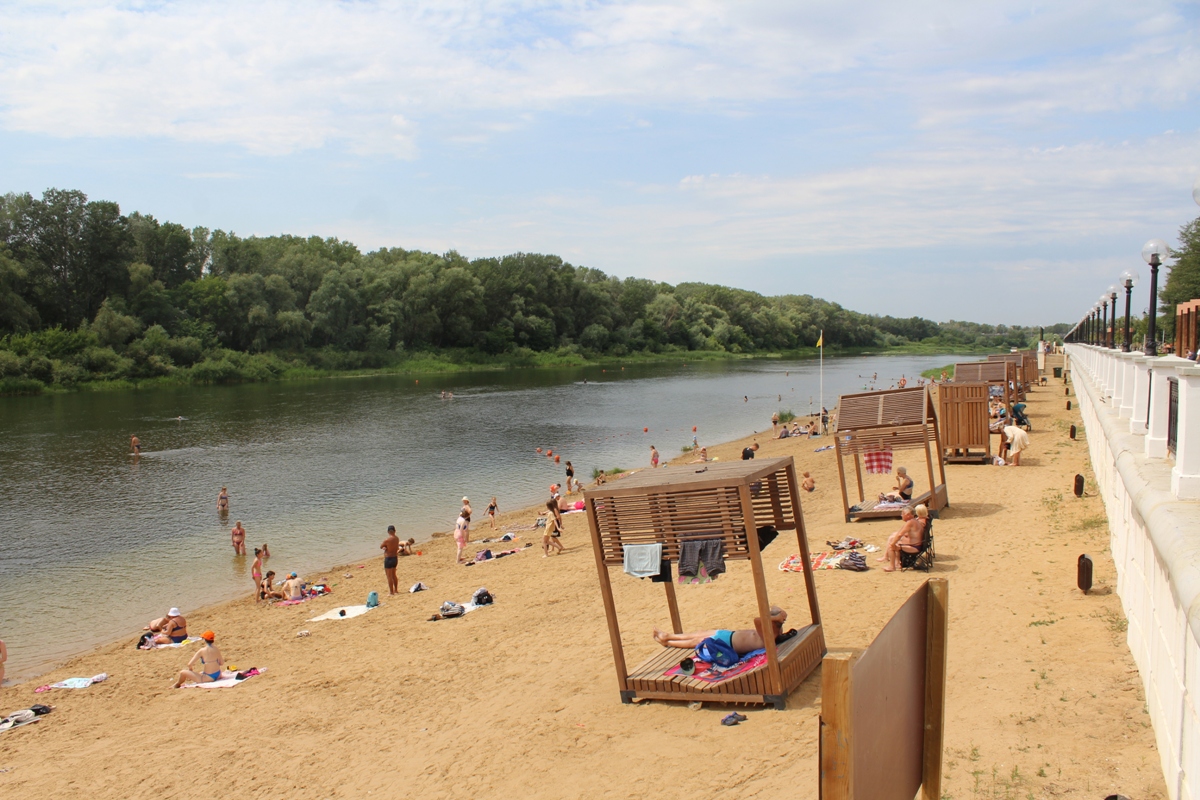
x: 610, y: 607
x: 935, y: 687
x: 837, y: 449
x: 673, y: 606
x: 836, y: 739
x: 937, y: 439
x: 760, y: 590
x: 802, y: 540
x: 858, y: 474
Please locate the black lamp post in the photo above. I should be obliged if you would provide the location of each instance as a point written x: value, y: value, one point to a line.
x: 1154, y: 251
x: 1103, y: 320
x: 1128, y: 279
x: 1112, y: 332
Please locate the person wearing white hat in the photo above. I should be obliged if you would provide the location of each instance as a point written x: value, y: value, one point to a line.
x: 171, y: 629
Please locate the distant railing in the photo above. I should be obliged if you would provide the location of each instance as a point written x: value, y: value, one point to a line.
x: 1172, y: 415
x: 1187, y: 329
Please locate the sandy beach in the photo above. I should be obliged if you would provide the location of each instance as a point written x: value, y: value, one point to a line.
x: 520, y: 698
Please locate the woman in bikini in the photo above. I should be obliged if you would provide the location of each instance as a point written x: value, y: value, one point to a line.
x: 550, y: 537
x: 256, y: 570
x: 237, y: 537
x: 223, y: 501
x: 462, y: 532
x: 492, y: 509
x: 211, y: 662
x: 903, y: 487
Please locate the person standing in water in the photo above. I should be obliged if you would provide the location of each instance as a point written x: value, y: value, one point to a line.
x: 391, y: 557
x: 135, y: 445
x: 653, y: 456
x: 237, y: 537
x: 223, y: 501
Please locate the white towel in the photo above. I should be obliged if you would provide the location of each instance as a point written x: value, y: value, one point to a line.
x: 643, y: 560
x: 351, y: 611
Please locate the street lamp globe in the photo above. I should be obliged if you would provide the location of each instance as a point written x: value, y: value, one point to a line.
x: 1129, y: 279
x: 1155, y: 247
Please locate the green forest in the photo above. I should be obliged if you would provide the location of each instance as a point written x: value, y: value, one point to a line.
x: 90, y: 295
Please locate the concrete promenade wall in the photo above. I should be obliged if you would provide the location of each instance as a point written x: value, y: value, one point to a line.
x: 1155, y: 534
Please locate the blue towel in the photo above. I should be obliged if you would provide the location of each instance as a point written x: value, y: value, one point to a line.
x: 643, y: 560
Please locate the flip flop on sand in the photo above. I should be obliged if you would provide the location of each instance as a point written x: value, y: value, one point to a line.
x: 734, y: 718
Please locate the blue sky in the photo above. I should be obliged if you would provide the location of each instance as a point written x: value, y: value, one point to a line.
x: 1000, y: 162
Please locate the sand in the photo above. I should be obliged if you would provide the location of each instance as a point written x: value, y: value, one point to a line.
x: 520, y: 699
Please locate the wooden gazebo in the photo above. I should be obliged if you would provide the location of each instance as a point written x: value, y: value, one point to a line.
x: 737, y: 502
x: 897, y: 419
x: 1027, y: 371
x: 995, y: 373
x: 963, y: 420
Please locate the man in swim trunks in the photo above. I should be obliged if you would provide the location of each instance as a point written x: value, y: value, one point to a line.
x: 205, y: 666
x: 391, y: 557
x: 742, y: 641
x: 172, y: 629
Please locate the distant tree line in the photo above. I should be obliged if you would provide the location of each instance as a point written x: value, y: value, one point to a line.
x: 88, y: 293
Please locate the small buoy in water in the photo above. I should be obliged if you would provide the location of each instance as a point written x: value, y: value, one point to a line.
x: 549, y: 453
x: 539, y: 449
x: 556, y: 459
x: 1072, y: 432
x: 693, y: 429
x: 645, y: 430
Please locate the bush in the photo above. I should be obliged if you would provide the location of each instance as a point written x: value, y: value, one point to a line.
x: 67, y: 373
x: 10, y: 364
x: 21, y: 386
x: 185, y: 350
x: 38, y: 367
x: 215, y: 371
x: 786, y: 416
x: 102, y: 361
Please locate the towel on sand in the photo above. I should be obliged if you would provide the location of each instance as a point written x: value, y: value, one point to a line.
x: 334, y: 613
x: 187, y: 641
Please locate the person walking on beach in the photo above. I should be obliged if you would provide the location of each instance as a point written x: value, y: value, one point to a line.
x: 493, y: 508
x: 135, y: 445
x: 462, y: 533
x: 550, y: 537
x: 205, y: 666
x: 256, y: 569
x: 391, y: 557
x: 570, y: 476
x: 653, y: 456
x: 223, y: 501
x: 237, y: 537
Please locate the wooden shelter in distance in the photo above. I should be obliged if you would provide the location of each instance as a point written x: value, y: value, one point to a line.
x: 896, y: 419
x: 1027, y: 371
x: 963, y: 420
x: 996, y: 373
x: 735, y: 502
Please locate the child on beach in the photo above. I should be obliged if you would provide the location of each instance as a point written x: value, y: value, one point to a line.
x: 808, y: 484
x: 266, y: 552
x: 553, y: 530
x: 493, y: 508
x: 406, y: 548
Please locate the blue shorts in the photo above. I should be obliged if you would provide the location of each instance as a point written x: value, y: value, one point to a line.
x: 724, y: 637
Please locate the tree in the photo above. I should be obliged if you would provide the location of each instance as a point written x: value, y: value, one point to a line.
x: 1183, y: 279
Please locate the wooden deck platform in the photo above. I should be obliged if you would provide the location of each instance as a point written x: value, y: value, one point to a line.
x: 867, y: 508
x: 798, y: 657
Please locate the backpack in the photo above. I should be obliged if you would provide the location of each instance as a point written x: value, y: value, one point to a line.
x: 482, y: 597
x: 372, y: 599
x: 717, y: 653
x: 452, y: 609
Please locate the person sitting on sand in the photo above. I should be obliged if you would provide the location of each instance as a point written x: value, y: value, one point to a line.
x: 703, y: 457
x: 267, y: 590
x: 743, y: 641
x: 205, y: 666
x: 406, y: 548
x: 553, y: 530
x: 292, y: 588
x: 808, y: 484
x: 903, y: 488
x: 172, y: 629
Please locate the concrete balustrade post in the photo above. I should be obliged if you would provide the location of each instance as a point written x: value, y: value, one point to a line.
x: 1128, y: 372
x: 1185, y: 476
x: 1141, y: 393
x: 1156, y: 431
x: 1118, y: 379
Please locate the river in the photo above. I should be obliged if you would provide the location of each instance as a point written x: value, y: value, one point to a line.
x: 94, y: 542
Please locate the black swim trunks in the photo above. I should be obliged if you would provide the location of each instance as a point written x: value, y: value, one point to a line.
x: 390, y: 562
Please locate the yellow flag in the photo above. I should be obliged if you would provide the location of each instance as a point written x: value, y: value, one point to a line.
x: 821, y: 340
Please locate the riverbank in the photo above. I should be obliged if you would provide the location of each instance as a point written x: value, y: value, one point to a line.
x: 520, y: 697
x: 232, y: 367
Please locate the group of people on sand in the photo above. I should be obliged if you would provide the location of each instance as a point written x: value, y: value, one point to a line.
x: 909, y: 537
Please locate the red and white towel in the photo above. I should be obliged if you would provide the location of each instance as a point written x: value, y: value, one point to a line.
x: 878, y: 462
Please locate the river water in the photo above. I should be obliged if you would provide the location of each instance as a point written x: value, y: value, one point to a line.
x: 94, y: 542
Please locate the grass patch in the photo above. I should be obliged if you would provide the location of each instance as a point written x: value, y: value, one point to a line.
x: 1037, y: 623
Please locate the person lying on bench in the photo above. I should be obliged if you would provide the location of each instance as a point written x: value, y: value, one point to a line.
x: 743, y: 641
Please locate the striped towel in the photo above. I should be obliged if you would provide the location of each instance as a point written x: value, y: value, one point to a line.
x: 878, y: 462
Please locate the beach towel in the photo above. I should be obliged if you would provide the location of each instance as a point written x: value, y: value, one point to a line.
x: 793, y: 563
x: 335, y: 613
x: 878, y: 462
x: 184, y: 643
x: 643, y: 560
x: 227, y: 680
x: 467, y: 609
x: 827, y: 560
x: 710, y: 674
x: 73, y: 683
x: 495, y: 555
x: 17, y: 720
x: 823, y: 449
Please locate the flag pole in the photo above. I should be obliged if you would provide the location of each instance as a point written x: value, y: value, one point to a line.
x: 821, y: 348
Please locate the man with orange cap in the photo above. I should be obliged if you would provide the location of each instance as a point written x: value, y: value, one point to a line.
x: 205, y: 666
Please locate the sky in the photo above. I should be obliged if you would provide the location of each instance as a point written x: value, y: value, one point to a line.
x: 998, y: 162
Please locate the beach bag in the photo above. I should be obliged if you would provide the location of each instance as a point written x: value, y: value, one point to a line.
x: 482, y: 597
x: 717, y: 653
x: 144, y: 642
x: 452, y: 609
x: 372, y: 599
